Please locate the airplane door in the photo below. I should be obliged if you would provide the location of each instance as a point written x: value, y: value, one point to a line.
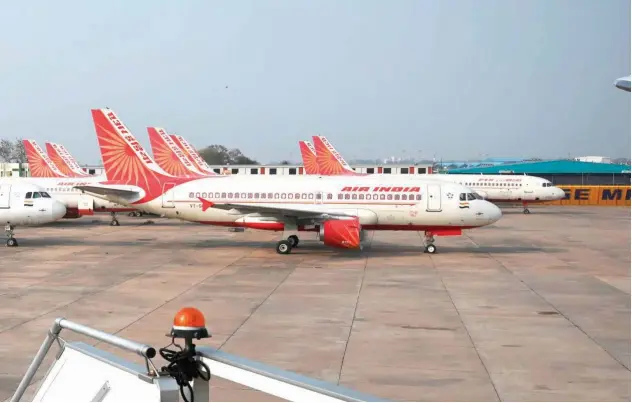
x: 434, y: 198
x: 5, y: 196
x: 168, y: 195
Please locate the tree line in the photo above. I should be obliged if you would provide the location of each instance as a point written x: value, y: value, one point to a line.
x: 12, y: 151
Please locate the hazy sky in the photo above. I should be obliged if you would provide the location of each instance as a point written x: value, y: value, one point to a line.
x: 455, y: 79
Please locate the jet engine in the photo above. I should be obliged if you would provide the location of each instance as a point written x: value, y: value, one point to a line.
x: 72, y: 212
x: 341, y: 233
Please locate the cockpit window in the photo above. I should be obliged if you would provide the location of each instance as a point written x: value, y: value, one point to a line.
x: 462, y: 197
x: 547, y: 185
x: 28, y: 195
x: 470, y: 196
x: 45, y: 194
x: 36, y: 195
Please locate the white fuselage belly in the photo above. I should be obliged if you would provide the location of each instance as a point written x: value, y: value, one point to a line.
x: 385, y: 207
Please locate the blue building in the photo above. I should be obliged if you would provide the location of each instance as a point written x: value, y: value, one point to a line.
x: 560, y: 172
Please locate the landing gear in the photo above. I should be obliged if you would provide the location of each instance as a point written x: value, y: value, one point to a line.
x: 293, y: 239
x: 114, y: 222
x: 8, y: 229
x: 135, y: 214
x: 429, y: 242
x: 283, y: 247
x: 525, y: 208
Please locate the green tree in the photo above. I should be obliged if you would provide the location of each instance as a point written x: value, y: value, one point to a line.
x: 219, y: 155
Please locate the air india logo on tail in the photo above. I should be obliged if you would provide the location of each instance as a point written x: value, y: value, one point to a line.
x: 64, y: 161
x: 308, y: 153
x: 193, y: 154
x: 330, y: 162
x: 165, y: 156
x: 39, y: 164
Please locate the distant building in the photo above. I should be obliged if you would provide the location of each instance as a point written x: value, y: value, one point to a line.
x: 602, y: 160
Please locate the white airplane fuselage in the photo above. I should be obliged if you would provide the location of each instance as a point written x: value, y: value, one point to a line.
x: 23, y: 203
x: 379, y: 202
x: 62, y: 189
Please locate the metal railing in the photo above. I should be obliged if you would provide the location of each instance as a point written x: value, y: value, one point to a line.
x: 268, y: 379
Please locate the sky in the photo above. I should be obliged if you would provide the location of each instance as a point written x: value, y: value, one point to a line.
x: 450, y: 79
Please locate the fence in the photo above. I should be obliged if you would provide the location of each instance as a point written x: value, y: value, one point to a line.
x: 578, y: 195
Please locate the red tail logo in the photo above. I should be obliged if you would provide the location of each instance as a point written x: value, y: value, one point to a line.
x: 125, y: 160
x: 64, y: 161
x: 308, y: 154
x: 168, y: 156
x: 39, y: 164
x: 192, y: 154
x: 330, y: 162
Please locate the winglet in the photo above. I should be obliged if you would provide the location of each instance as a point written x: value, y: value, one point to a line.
x: 308, y: 154
x: 206, y: 204
x: 40, y: 165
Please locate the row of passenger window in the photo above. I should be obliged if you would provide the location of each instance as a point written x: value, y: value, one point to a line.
x: 306, y: 196
x: 491, y: 184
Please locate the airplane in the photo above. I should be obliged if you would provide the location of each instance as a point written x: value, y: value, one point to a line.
x: 623, y: 83
x: 339, y: 209
x: 193, y: 155
x: 308, y: 153
x: 494, y: 188
x: 66, y: 163
x: 23, y: 204
x: 169, y: 156
x: 46, y: 174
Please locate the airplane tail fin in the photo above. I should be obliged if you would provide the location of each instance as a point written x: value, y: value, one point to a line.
x: 39, y: 164
x: 330, y: 162
x: 124, y: 159
x: 64, y: 161
x: 308, y: 154
x: 169, y: 156
x: 193, y: 155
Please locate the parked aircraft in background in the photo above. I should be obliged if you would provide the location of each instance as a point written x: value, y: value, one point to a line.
x: 24, y: 203
x: 193, y: 155
x: 65, y: 162
x: 308, y: 153
x: 47, y: 175
x: 169, y: 156
x: 339, y: 209
x: 523, y: 189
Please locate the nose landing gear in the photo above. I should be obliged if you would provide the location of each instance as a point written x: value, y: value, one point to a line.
x: 525, y: 208
x: 11, y: 241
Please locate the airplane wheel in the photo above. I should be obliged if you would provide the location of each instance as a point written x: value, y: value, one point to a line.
x: 284, y: 247
x: 293, y: 240
x: 114, y: 223
x: 431, y: 248
x: 526, y: 211
x: 12, y: 242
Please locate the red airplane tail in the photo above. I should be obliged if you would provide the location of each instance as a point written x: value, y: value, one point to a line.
x: 193, y: 155
x: 40, y: 165
x: 125, y: 160
x: 308, y: 154
x: 169, y: 156
x: 64, y: 161
x: 330, y: 162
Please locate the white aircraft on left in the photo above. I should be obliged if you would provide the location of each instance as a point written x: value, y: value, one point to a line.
x: 23, y: 203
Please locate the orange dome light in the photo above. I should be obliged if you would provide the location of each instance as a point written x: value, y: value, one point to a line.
x: 189, y: 322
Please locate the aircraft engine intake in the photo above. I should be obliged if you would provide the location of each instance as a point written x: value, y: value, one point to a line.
x: 341, y: 233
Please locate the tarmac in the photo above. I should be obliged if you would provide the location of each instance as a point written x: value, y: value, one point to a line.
x: 534, y: 307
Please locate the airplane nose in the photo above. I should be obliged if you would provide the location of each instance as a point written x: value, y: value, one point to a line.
x: 58, y: 210
x: 559, y: 194
x: 493, y: 212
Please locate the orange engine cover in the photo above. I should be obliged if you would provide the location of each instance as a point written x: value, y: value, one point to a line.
x: 341, y: 233
x: 72, y: 212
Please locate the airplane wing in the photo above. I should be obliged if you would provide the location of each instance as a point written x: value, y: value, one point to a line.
x: 298, y: 212
x: 109, y: 190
